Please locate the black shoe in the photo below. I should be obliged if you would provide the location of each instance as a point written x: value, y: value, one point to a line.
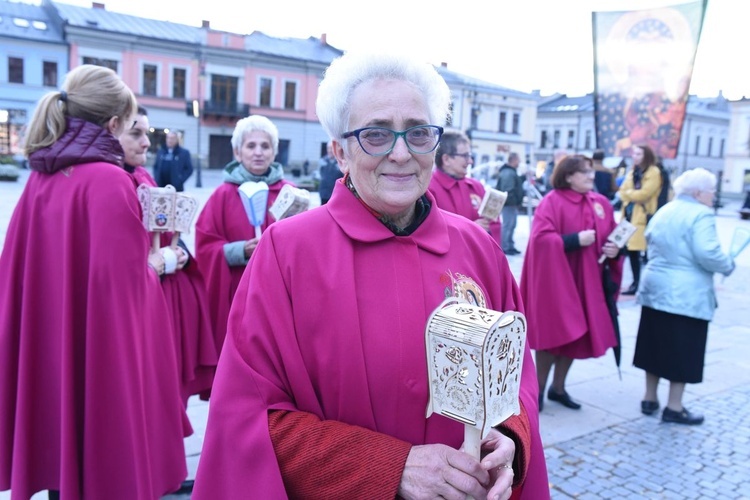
x: 513, y: 251
x: 563, y: 399
x: 649, y: 407
x: 681, y: 417
x: 541, y: 401
x: 631, y: 291
x: 185, y: 487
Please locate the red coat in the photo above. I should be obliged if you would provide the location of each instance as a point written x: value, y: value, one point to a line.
x: 336, y: 330
x: 223, y: 220
x: 187, y: 304
x: 563, y: 292
x: 462, y: 197
x: 89, y: 398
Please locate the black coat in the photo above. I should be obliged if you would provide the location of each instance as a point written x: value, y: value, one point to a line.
x: 174, y: 168
x: 512, y: 183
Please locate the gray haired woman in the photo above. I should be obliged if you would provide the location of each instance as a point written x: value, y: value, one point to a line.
x: 677, y: 293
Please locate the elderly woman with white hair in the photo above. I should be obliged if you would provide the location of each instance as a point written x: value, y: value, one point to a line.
x: 677, y: 293
x: 224, y: 237
x: 322, y: 388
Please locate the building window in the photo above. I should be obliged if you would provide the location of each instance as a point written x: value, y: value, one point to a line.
x: 49, y: 74
x: 179, y: 83
x: 290, y: 95
x: 721, y: 149
x: 97, y: 61
x: 710, y: 146
x: 264, y: 92
x: 543, y: 140
x: 571, y: 139
x: 15, y: 70
x: 224, y: 92
x: 556, y: 139
x: 587, y: 140
x: 503, y: 118
x: 149, y: 79
x: 516, y: 123
x: 697, y: 146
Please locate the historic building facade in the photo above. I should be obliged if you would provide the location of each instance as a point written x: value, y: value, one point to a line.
x: 568, y: 123
x: 33, y: 61
x: 199, y: 82
x: 737, y: 170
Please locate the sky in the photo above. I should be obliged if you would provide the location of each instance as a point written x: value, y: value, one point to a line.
x: 525, y: 45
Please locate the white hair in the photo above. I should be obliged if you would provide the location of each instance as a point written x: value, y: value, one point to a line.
x: 251, y: 124
x: 694, y: 181
x: 349, y: 71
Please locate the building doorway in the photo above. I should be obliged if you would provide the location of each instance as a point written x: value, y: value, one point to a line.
x: 219, y: 151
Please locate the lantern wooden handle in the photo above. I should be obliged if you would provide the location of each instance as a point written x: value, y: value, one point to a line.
x: 473, y: 441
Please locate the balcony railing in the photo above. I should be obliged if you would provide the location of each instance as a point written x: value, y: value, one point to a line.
x: 220, y: 108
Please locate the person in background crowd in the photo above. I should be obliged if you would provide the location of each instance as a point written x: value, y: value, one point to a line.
x: 569, y: 235
x: 512, y: 183
x: 89, y: 397
x: 604, y: 180
x: 184, y: 288
x: 322, y: 386
x: 224, y: 238
x: 639, y: 196
x: 452, y: 189
x: 666, y: 192
x: 745, y: 210
x: 677, y: 294
x: 544, y: 184
x: 329, y: 174
x: 173, y: 164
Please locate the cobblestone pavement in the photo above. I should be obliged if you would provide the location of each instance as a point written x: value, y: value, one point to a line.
x: 608, y: 449
x: 647, y: 459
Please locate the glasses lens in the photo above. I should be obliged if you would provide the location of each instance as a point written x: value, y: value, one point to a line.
x: 376, y: 140
x: 422, y: 139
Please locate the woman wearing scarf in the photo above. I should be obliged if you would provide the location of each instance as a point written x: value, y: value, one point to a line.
x: 323, y: 385
x: 224, y: 238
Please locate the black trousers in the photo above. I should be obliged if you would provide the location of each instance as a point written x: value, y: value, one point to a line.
x: 636, y: 256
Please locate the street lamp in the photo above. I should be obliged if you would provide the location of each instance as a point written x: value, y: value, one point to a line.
x: 197, y: 115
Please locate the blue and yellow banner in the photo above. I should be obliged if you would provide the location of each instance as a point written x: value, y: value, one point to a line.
x: 643, y: 62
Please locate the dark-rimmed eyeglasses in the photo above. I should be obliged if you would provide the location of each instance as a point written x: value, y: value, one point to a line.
x: 380, y: 141
x: 465, y: 156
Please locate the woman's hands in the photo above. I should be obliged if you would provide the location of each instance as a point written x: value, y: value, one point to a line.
x: 499, y: 463
x: 439, y: 471
x: 586, y: 237
x: 156, y: 262
x: 483, y: 223
x: 610, y: 250
x: 250, y: 247
x: 182, y: 258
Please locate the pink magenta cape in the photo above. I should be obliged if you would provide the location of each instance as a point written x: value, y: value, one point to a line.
x: 563, y: 293
x: 89, y: 397
x: 462, y: 197
x: 187, y: 303
x: 330, y: 319
x: 223, y: 220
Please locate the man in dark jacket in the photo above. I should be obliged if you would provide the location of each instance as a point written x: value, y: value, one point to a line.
x: 173, y: 165
x: 512, y: 183
x: 604, y: 178
x: 329, y: 174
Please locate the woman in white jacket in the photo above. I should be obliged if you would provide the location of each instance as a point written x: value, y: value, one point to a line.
x: 677, y: 293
